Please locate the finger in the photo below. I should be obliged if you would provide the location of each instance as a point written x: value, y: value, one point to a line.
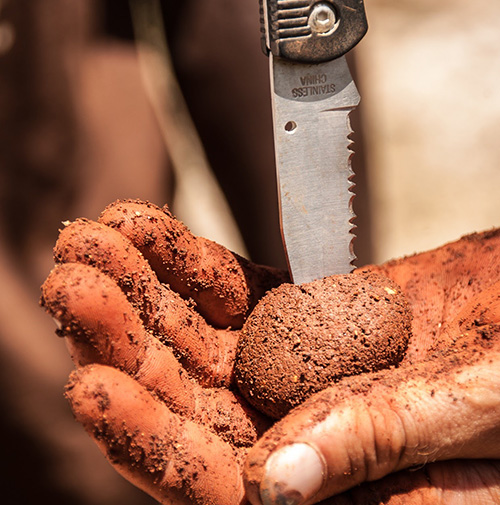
x: 206, y: 352
x: 369, y: 426
x: 445, y: 483
x: 439, y: 283
x: 102, y: 327
x: 174, y: 460
x: 224, y: 286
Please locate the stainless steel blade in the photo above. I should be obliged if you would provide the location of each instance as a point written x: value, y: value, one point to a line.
x: 311, y: 106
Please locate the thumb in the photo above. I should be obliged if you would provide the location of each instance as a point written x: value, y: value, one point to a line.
x: 368, y: 426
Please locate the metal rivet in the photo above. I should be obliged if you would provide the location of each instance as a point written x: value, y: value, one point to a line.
x: 323, y: 18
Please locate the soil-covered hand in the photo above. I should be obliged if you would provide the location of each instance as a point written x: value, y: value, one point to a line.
x: 152, y: 316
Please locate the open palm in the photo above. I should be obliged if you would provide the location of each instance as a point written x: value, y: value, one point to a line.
x: 152, y: 315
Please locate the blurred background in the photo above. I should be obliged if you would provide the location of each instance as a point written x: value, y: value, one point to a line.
x: 83, y: 122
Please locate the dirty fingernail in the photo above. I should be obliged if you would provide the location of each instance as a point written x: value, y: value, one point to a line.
x: 293, y: 475
x: 57, y: 323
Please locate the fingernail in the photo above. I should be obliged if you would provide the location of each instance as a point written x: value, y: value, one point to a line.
x: 59, y: 328
x: 57, y: 323
x: 293, y: 475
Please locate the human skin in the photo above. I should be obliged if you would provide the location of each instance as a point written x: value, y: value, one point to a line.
x: 154, y: 381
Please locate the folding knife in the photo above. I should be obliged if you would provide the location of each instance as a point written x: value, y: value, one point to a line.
x: 313, y: 94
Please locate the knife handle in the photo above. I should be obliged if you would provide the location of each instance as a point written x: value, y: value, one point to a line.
x: 308, y: 31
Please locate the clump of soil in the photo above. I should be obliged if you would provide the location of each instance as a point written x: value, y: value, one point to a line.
x: 300, y: 339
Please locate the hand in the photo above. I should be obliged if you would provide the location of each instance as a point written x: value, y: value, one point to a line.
x: 442, y: 404
x: 167, y: 417
x: 153, y: 379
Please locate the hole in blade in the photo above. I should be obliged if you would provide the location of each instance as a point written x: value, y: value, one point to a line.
x: 291, y: 126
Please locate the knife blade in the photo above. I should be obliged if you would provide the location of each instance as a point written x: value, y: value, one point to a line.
x: 313, y: 94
